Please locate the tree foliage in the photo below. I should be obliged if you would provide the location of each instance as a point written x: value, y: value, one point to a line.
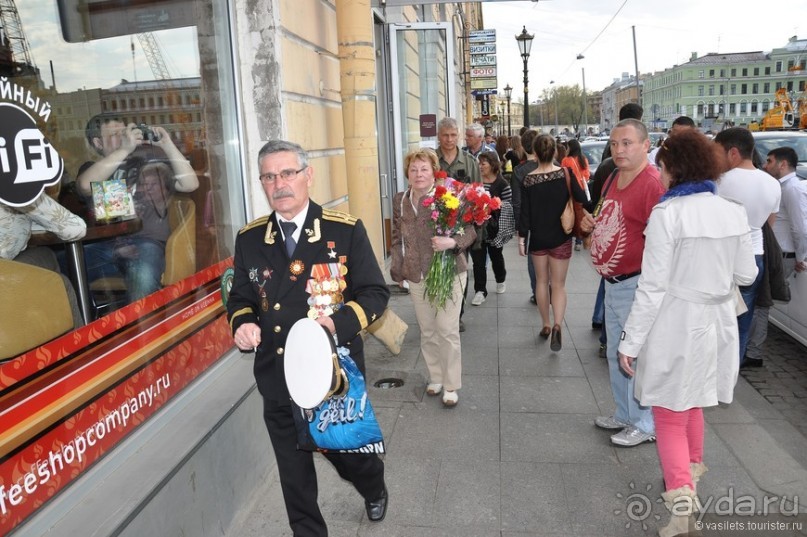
x: 569, y: 103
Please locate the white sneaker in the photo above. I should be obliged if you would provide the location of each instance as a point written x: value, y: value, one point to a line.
x: 632, y: 437
x: 501, y: 288
x: 610, y: 422
x: 479, y: 297
x: 450, y: 398
x: 434, y: 388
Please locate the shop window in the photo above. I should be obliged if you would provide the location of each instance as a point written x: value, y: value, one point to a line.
x: 194, y: 185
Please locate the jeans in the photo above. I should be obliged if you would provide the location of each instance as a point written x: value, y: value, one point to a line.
x: 530, y: 269
x: 618, y: 301
x: 480, y: 266
x: 679, y: 440
x: 140, y: 261
x: 598, y: 316
x: 749, y: 294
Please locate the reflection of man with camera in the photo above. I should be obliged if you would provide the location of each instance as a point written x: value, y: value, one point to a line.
x: 140, y: 257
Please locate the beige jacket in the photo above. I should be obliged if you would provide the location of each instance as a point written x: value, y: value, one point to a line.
x: 411, y: 240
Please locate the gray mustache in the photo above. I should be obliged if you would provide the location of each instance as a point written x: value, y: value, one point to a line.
x: 280, y: 194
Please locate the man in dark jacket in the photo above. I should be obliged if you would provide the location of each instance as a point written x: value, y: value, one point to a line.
x: 275, y: 256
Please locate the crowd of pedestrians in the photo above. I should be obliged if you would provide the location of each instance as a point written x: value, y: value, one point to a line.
x: 676, y: 234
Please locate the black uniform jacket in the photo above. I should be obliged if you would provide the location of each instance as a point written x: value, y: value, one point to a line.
x: 270, y: 289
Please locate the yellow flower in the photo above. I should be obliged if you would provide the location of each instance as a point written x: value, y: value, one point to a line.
x: 451, y: 202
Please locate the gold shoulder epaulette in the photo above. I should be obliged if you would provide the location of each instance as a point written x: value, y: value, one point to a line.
x: 255, y: 223
x: 339, y: 216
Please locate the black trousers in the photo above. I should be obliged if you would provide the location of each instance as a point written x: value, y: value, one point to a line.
x: 480, y: 272
x: 298, y: 478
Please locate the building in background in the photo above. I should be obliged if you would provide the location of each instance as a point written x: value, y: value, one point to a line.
x: 721, y: 89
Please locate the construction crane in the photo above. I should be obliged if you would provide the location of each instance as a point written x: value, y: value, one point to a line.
x: 154, y: 56
x: 15, y: 54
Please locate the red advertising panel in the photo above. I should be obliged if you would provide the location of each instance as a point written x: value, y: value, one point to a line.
x: 67, y: 403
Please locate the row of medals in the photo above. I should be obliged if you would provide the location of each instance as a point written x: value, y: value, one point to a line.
x: 326, y: 297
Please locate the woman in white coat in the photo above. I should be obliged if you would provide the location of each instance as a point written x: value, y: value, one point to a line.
x: 683, y: 322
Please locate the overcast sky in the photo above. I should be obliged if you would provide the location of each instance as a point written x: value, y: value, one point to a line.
x: 101, y: 63
x: 666, y: 34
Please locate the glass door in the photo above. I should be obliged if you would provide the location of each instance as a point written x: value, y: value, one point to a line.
x: 422, y: 87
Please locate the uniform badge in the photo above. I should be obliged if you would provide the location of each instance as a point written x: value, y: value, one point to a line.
x: 314, y: 234
x: 296, y: 268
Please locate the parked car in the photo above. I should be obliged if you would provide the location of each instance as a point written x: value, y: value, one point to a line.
x: 655, y: 138
x: 790, y: 317
x: 593, y: 152
x: 765, y: 141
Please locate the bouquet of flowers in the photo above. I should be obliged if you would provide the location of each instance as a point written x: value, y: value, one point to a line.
x: 453, y: 206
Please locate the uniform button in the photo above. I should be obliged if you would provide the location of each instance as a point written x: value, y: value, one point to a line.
x: 280, y: 350
x: 276, y: 306
x: 277, y: 329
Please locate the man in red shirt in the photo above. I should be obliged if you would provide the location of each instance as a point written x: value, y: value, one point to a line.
x: 616, y: 250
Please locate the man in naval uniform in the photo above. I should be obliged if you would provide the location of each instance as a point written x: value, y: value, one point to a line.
x: 275, y: 256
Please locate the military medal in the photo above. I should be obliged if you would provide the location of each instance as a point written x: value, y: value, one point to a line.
x: 264, y: 301
x: 296, y: 268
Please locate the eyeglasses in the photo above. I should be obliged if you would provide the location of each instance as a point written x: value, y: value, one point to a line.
x: 286, y: 175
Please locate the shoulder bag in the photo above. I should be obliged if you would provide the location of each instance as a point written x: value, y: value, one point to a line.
x: 573, y: 213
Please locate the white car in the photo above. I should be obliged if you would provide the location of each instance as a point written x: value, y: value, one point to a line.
x: 790, y: 317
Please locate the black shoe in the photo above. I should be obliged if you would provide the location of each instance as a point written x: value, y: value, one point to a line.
x: 462, y: 326
x: 377, y: 509
x: 532, y: 299
x: 555, y: 341
x: 751, y: 362
x: 602, y: 353
x: 596, y: 326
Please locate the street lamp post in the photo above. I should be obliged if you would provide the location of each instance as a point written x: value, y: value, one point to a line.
x: 508, y: 92
x: 585, y: 103
x: 555, y: 98
x: 524, y: 45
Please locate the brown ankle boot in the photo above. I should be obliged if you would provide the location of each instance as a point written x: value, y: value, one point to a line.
x: 681, y: 503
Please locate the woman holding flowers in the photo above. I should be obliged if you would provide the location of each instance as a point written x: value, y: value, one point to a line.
x: 428, y: 240
x: 544, y: 194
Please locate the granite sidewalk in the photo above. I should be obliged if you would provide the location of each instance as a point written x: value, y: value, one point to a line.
x: 520, y: 455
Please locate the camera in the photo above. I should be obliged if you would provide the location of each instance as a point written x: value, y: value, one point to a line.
x: 148, y: 134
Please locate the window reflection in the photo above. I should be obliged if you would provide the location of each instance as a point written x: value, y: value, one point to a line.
x: 134, y: 108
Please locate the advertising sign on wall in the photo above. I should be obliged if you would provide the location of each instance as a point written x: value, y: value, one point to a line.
x: 483, y: 63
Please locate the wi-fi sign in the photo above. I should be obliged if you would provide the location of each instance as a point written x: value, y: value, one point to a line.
x: 28, y: 162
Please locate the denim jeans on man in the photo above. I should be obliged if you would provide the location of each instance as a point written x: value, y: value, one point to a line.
x: 598, y: 315
x: 618, y: 301
x: 140, y: 261
x: 749, y: 294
